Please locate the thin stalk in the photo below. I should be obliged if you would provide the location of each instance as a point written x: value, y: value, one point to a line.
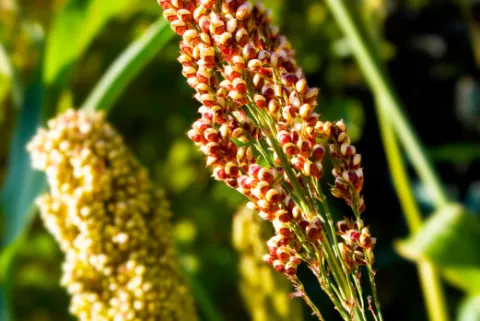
x: 333, y: 233
x: 358, y: 285
x: 429, y: 278
x: 328, y: 287
x: 308, y: 301
x: 331, y: 224
x: 373, y: 71
x: 371, y: 276
x: 334, y: 240
x: 340, y: 277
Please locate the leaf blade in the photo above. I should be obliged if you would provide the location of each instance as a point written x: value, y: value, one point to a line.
x: 448, y: 239
x: 130, y: 62
x: 469, y: 309
x: 22, y: 183
x: 73, y: 30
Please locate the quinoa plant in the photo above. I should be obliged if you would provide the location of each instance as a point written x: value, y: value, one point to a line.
x: 261, y: 136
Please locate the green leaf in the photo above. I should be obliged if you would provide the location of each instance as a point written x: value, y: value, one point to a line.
x: 21, y: 187
x: 449, y: 240
x: 4, y: 315
x: 127, y: 66
x: 72, y: 31
x: 469, y: 309
x: 9, y: 81
x: 22, y: 183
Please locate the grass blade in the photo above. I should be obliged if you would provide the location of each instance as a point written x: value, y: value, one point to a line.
x: 73, y: 30
x: 128, y: 65
x: 22, y: 183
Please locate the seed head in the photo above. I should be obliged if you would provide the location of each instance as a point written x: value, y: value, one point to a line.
x: 111, y: 223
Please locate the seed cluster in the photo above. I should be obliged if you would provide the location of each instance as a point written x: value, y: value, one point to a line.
x: 358, y: 241
x: 265, y: 292
x: 346, y: 165
x: 255, y: 98
x: 111, y: 223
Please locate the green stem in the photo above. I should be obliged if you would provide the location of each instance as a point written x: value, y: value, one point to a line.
x: 307, y: 299
x: 371, y: 277
x: 334, y: 240
x: 345, y: 288
x: 435, y: 300
x: 331, y: 290
x: 429, y: 278
x: 373, y: 71
x: 128, y: 65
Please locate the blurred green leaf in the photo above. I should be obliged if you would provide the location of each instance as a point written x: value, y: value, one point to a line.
x: 456, y: 153
x: 469, y: 309
x: 4, y: 316
x: 9, y: 81
x: 22, y: 183
x: 6, y: 280
x: 449, y: 240
x: 72, y: 31
x: 128, y: 65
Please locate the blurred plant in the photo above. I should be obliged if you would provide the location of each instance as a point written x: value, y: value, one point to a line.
x: 111, y: 223
x: 265, y: 292
x: 261, y: 136
x: 49, y: 69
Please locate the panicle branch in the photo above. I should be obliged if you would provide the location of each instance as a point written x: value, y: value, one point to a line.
x: 261, y: 136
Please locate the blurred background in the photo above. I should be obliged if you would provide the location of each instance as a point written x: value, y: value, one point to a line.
x: 432, y: 50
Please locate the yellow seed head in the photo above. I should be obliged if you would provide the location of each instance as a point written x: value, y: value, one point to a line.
x: 110, y: 222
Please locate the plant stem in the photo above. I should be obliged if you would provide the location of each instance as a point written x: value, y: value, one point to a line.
x: 128, y: 65
x: 429, y: 278
x: 299, y: 285
x: 371, y: 276
x: 373, y: 71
